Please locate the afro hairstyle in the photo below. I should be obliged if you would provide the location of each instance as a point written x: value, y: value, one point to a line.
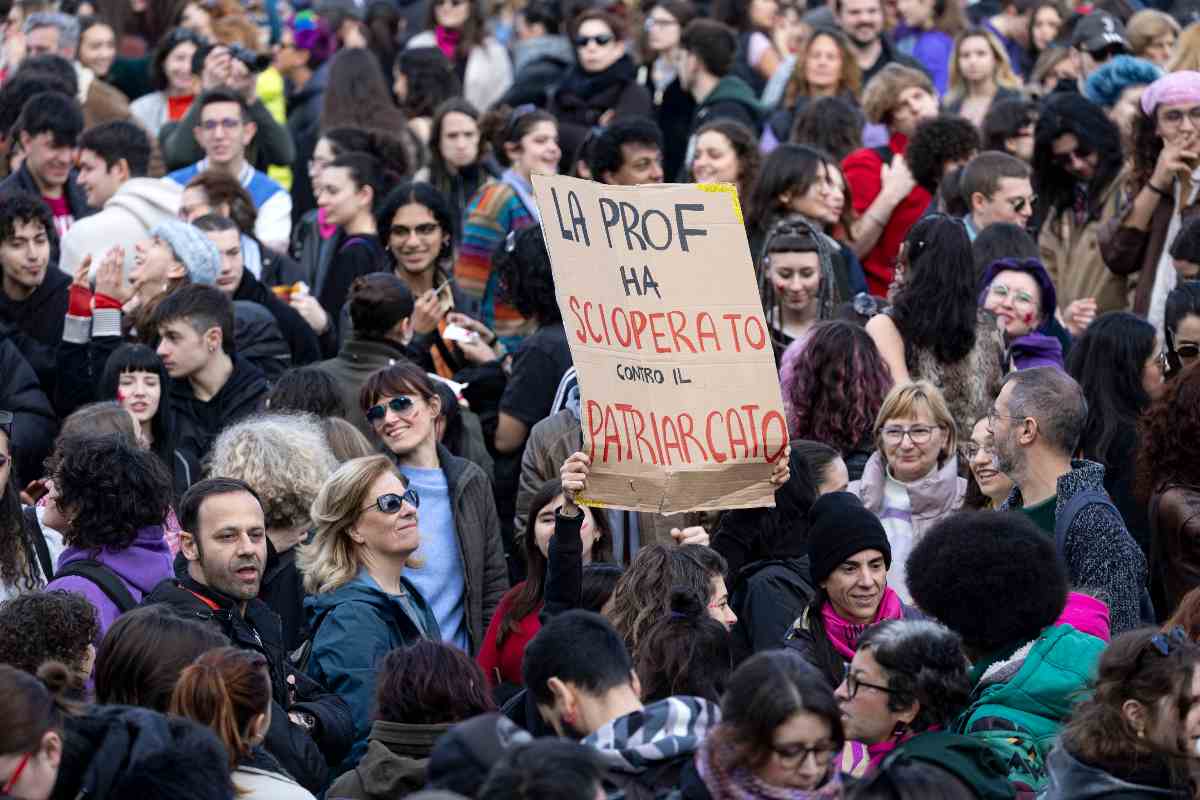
x: 937, y: 141
x: 968, y: 560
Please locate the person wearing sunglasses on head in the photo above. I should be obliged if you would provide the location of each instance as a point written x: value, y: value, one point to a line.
x: 1168, y: 481
x: 996, y: 188
x: 601, y: 87
x: 464, y: 573
x: 362, y: 603
x: 1141, y: 723
x: 459, y: 29
x: 1077, y: 157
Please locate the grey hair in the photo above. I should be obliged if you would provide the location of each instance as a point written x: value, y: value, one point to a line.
x: 1054, y: 399
x: 68, y: 27
x: 925, y: 663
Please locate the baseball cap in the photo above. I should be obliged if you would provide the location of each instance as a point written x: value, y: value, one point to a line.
x: 1099, y: 31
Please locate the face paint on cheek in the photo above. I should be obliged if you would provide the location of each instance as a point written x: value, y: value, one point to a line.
x: 1029, y: 319
x: 120, y: 396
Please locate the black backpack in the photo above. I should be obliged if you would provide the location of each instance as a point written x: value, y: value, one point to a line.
x: 103, y: 577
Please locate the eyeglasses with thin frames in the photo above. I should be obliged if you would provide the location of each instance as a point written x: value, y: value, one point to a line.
x: 919, y: 434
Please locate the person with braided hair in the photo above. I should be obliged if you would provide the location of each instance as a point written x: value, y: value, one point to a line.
x: 795, y: 280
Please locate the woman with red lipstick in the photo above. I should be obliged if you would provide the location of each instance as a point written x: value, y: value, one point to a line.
x: 1021, y: 295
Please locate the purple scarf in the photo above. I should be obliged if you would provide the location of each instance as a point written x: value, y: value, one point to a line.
x: 843, y: 634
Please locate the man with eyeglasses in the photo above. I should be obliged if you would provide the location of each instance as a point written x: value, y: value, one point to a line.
x: 224, y: 130
x: 996, y: 188
x: 218, y: 575
x: 1036, y: 423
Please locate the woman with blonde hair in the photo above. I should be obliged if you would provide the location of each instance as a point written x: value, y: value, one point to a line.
x: 911, y: 481
x: 286, y: 459
x: 980, y: 74
x: 361, y: 606
x: 825, y: 66
x: 1152, y: 35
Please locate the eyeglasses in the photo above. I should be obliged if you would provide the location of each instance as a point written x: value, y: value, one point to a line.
x: 603, y: 39
x: 1019, y: 203
x: 391, y: 502
x: 853, y: 684
x: 424, y: 229
x: 1174, y: 117
x: 454, y: 3
x: 793, y: 756
x: 1081, y: 151
x: 1019, y: 297
x: 993, y: 415
x: 919, y: 434
x: 970, y: 450
x: 229, y: 124
x: 652, y: 23
x: 401, y: 405
x: 16, y: 776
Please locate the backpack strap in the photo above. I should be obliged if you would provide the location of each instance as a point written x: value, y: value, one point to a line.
x: 1077, y: 503
x: 104, y: 578
x: 33, y: 529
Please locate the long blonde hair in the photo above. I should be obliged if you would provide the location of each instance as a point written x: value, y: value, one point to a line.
x: 332, y: 559
x: 1003, y: 74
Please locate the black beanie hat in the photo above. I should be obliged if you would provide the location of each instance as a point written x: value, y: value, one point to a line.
x: 839, y: 527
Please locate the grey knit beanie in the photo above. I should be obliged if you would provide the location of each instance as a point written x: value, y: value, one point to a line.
x: 198, y: 255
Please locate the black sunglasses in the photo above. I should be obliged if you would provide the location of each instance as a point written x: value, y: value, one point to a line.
x: 602, y: 39
x: 391, y: 502
x: 401, y: 405
x: 1081, y: 152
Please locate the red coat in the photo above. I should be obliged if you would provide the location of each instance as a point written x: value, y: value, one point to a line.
x: 862, y: 169
x: 503, y: 664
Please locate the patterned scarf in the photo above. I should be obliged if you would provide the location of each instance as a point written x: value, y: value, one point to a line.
x: 659, y: 732
x: 843, y: 634
x: 739, y: 783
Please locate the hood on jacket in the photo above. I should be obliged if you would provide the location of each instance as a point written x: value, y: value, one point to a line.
x: 1036, y: 350
x: 150, y: 200
x: 397, y: 755
x: 660, y: 732
x: 542, y: 48
x: 1071, y: 779
x: 731, y: 88
x: 143, y: 564
x: 119, y: 751
x: 1044, y: 677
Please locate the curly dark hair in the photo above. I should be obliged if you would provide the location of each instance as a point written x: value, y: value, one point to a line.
x: 1070, y: 112
x: 924, y: 662
x: 25, y: 208
x: 37, y: 627
x: 526, y: 280
x: 745, y: 147
x: 110, y: 490
x: 1172, y: 418
x: 967, y: 560
x: 833, y: 386
x: 430, y: 683
x: 936, y: 141
x: 940, y: 273
x: 831, y: 124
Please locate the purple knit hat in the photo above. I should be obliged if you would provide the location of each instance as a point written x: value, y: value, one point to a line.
x: 310, y: 33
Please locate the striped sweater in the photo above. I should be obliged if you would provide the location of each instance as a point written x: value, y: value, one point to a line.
x: 492, y: 213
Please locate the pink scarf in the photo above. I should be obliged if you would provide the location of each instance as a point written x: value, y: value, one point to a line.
x: 447, y: 40
x: 880, y: 750
x: 843, y: 634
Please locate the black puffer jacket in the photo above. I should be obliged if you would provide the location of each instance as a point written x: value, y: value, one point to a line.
x: 305, y: 758
x: 34, y: 422
x: 121, y: 751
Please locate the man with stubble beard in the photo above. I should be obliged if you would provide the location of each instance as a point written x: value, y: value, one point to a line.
x: 218, y: 574
x: 862, y: 21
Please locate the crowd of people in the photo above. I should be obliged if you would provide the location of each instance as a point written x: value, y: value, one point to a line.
x: 292, y: 475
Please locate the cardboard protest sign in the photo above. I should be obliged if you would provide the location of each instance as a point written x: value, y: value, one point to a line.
x: 681, y: 407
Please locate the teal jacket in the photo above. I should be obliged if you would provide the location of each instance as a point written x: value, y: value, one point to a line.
x: 1021, y: 701
x: 354, y: 627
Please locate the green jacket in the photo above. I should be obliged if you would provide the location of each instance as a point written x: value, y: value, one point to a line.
x: 1022, y: 700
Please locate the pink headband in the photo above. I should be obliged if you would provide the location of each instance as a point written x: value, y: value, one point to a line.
x: 1172, y: 88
